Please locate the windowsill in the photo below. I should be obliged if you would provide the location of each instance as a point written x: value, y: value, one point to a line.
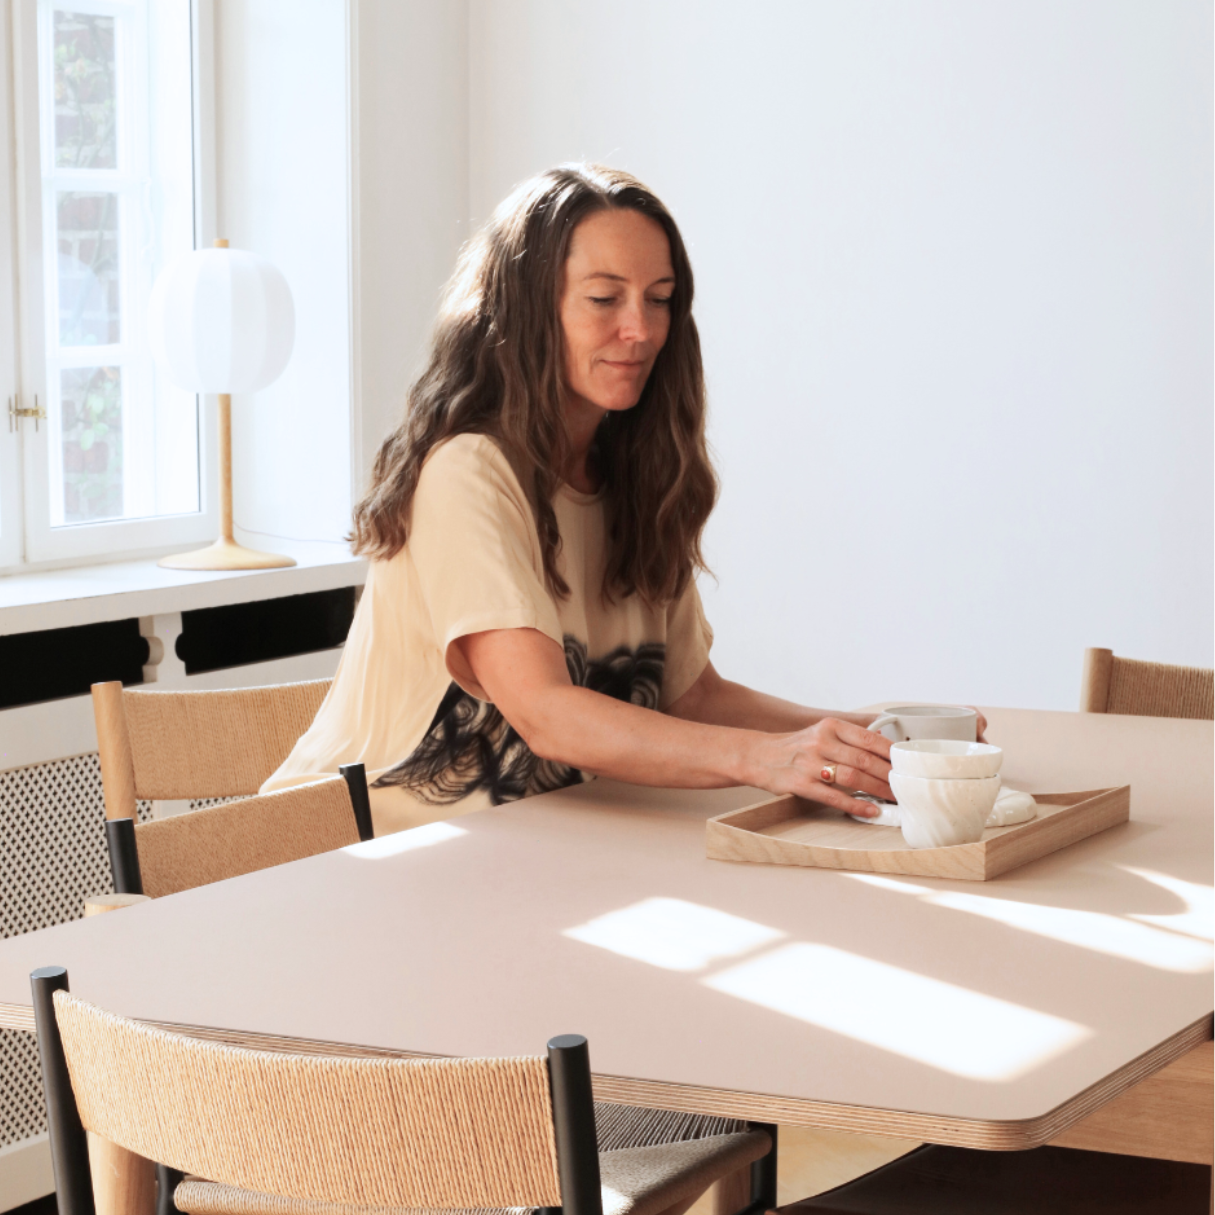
x: 57, y: 599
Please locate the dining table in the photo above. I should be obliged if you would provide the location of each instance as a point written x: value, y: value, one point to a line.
x: 997, y: 1014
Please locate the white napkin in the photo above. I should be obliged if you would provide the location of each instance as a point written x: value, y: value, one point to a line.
x: 1011, y: 807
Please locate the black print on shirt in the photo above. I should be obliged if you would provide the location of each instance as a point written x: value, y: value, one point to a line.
x: 470, y: 746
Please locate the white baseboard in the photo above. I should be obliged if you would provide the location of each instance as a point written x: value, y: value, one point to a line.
x: 25, y: 1172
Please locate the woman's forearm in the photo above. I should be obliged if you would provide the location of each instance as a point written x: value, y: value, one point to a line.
x: 524, y: 673
x: 607, y: 737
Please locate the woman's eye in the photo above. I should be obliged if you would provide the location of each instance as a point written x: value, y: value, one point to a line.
x: 662, y: 301
x: 602, y: 299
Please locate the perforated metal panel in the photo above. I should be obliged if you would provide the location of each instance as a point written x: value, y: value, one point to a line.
x: 22, y: 1111
x: 52, y: 857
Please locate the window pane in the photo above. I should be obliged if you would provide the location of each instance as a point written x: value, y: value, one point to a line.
x: 91, y: 401
x: 88, y: 269
x: 86, y: 92
x: 118, y: 206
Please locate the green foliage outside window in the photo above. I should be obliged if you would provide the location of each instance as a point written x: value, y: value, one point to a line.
x: 92, y: 444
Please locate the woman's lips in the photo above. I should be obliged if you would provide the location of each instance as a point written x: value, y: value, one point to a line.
x: 623, y: 365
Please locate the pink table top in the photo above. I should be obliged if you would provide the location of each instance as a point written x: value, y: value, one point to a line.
x: 990, y: 1013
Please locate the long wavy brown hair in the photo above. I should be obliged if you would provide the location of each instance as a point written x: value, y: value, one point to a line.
x: 496, y: 368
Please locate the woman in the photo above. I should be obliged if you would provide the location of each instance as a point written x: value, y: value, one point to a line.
x: 530, y: 615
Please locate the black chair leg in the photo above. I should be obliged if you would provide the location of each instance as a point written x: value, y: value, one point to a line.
x: 355, y: 776
x: 569, y: 1074
x: 763, y: 1174
x: 167, y: 1181
x: 124, y: 856
x: 69, y: 1144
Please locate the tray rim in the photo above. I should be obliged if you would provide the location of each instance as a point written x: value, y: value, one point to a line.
x: 982, y: 859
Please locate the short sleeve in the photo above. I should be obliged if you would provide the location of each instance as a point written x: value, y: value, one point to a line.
x: 689, y: 639
x: 475, y: 551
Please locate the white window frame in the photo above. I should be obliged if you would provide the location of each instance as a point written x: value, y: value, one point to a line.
x: 41, y: 542
x: 11, y: 513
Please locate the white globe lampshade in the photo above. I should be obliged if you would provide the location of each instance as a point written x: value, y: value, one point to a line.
x: 221, y: 320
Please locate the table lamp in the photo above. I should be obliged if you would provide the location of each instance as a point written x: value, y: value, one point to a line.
x: 221, y: 320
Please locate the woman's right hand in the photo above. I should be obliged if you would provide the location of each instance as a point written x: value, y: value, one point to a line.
x: 793, y: 763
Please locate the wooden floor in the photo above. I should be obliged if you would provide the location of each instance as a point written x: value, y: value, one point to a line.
x: 811, y: 1161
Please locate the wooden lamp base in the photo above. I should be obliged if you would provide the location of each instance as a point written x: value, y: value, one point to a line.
x: 226, y: 554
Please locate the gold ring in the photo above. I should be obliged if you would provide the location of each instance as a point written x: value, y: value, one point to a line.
x: 827, y: 774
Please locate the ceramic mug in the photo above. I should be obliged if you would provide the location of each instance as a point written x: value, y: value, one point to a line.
x: 940, y: 813
x: 904, y: 722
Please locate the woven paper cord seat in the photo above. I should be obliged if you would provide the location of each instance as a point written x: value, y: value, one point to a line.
x: 636, y: 1181
x: 278, y: 1132
x: 628, y: 1126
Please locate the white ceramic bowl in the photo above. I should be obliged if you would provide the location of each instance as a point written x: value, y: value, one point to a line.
x: 939, y: 813
x: 946, y: 759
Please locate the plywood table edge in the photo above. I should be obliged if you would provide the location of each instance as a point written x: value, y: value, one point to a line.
x: 17, y: 1016
x: 996, y: 1136
x: 1126, y: 1077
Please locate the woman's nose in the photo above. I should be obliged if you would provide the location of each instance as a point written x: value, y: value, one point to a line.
x: 634, y: 324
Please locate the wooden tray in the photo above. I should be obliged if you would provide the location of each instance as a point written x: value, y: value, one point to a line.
x: 790, y: 831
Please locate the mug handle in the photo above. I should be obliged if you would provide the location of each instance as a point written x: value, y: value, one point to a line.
x: 886, y: 718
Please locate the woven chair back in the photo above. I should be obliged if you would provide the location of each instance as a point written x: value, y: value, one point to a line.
x: 225, y: 841
x: 419, y: 1133
x: 1146, y: 689
x: 215, y: 744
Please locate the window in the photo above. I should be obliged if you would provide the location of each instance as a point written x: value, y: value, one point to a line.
x: 107, y: 137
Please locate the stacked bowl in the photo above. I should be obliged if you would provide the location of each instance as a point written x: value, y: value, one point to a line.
x: 945, y: 789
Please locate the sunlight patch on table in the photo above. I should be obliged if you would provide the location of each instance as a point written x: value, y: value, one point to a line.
x: 1198, y: 919
x: 404, y: 841
x: 673, y: 934
x: 885, y: 883
x: 939, y: 1024
x: 1095, y: 930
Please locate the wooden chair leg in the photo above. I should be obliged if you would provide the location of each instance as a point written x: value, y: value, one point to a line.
x: 732, y: 1193
x: 99, y: 904
x: 681, y: 1208
x: 123, y: 1183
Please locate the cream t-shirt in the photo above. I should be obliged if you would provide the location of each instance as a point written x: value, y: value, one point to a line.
x: 405, y: 704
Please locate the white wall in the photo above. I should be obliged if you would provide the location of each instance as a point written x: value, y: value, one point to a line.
x: 411, y: 195
x: 283, y: 182
x: 954, y: 286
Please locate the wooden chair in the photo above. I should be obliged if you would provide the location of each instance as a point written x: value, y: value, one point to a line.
x: 1145, y: 689
x: 169, y: 745
x: 260, y: 1131
x: 175, y: 745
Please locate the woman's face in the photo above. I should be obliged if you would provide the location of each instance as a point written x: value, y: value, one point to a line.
x: 615, y: 306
